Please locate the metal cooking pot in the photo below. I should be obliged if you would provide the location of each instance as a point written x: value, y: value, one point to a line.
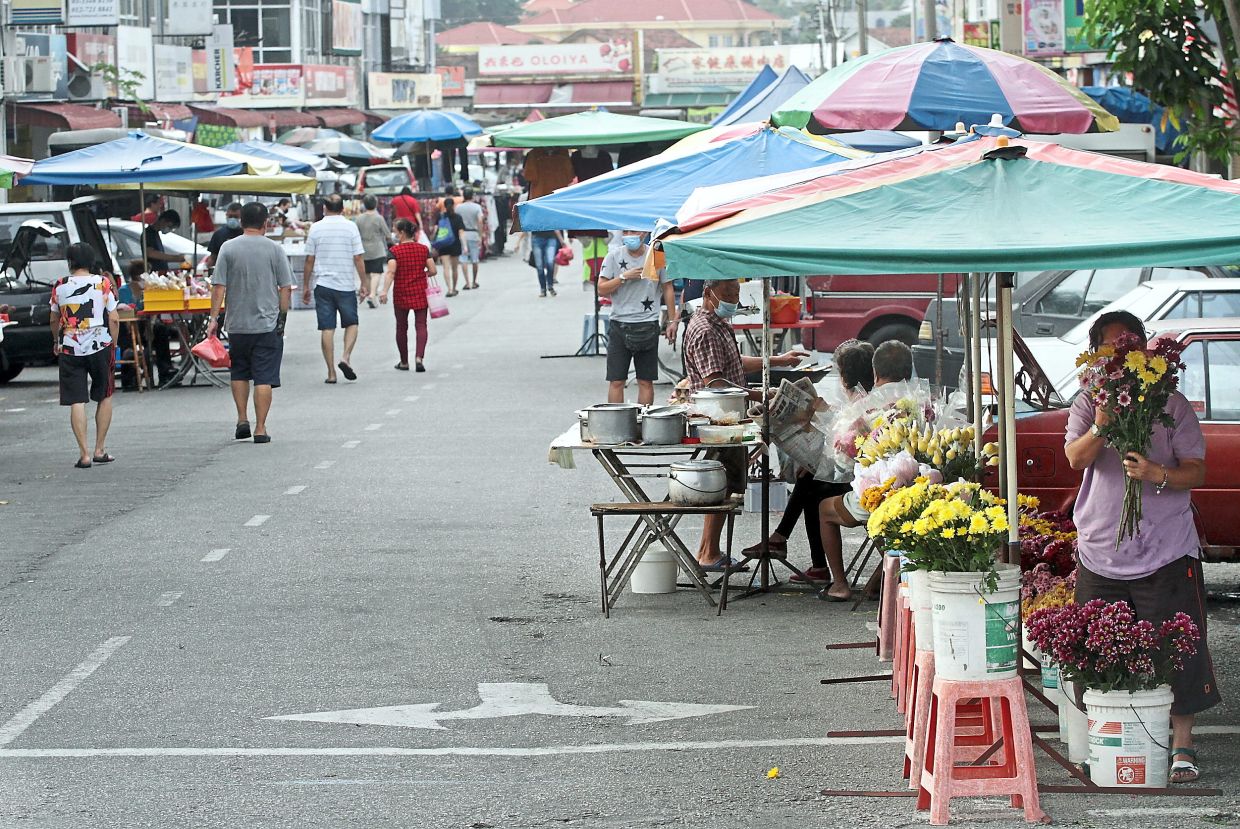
x: 663, y: 425
x: 611, y: 423
x: 722, y: 405
x: 698, y: 483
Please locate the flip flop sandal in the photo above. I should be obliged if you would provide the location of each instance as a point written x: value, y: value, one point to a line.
x: 104, y: 458
x: 330, y: 382
x: 346, y: 370
x: 402, y: 366
x: 262, y: 438
x: 243, y: 430
x: 80, y: 465
x: 722, y: 565
x: 1187, y: 769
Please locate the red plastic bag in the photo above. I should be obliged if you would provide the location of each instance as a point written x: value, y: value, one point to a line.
x: 213, y: 351
x: 563, y: 256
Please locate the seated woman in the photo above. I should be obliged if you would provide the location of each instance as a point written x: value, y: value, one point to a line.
x: 854, y: 364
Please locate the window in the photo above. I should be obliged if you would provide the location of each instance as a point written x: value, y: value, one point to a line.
x: 1193, y: 378
x: 1162, y: 274
x: 1108, y: 286
x: 1212, y: 380
x: 1220, y: 304
x: 265, y: 25
x: 1065, y: 298
x: 714, y: 41
x: 1189, y: 307
x: 45, y: 249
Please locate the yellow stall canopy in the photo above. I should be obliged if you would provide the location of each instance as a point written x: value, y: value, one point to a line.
x: 275, y: 184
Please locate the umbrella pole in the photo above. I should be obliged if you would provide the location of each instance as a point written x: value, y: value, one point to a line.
x: 766, y: 433
x: 146, y: 265
x: 1007, y: 417
x: 975, y: 352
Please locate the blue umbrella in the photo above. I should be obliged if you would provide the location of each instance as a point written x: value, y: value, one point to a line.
x: 1131, y: 107
x: 757, y: 86
x: 876, y: 141
x: 426, y: 125
x: 762, y: 105
x: 136, y: 159
x: 291, y: 159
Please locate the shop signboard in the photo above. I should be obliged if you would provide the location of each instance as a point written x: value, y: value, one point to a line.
x: 135, y: 50
x: 1012, y: 26
x: 221, y: 72
x: 451, y: 80
x: 1074, y: 27
x: 403, y: 90
x: 174, y: 74
x: 1044, y: 24
x: 189, y: 17
x: 719, y: 67
x: 56, y: 47
x: 92, y: 12
x: 977, y: 33
x: 613, y: 57
x: 347, y: 30
x: 92, y: 49
x: 36, y: 12
x: 328, y: 85
x: 262, y: 85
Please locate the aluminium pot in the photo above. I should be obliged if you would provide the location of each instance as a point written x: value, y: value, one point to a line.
x: 697, y: 483
x: 612, y: 423
x: 725, y: 406
x: 663, y: 426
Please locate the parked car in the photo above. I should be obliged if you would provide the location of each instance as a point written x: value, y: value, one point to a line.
x: 1211, y: 382
x: 125, y: 239
x: 871, y: 307
x: 384, y: 180
x: 1044, y: 304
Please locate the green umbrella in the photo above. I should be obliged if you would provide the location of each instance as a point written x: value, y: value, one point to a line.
x: 594, y: 127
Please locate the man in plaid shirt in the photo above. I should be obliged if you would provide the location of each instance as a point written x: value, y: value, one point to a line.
x: 712, y: 358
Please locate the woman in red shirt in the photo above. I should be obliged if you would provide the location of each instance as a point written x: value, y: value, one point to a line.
x: 405, y: 206
x: 409, y: 265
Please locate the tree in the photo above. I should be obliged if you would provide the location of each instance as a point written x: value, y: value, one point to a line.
x: 460, y: 12
x: 1169, y: 48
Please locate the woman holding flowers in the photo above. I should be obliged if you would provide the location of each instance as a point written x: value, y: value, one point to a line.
x: 1142, y: 451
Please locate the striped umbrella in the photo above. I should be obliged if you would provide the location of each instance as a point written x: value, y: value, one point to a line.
x: 935, y: 85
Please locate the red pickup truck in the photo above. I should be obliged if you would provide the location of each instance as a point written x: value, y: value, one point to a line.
x: 871, y: 307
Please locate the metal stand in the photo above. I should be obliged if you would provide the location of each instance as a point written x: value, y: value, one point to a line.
x: 591, y: 342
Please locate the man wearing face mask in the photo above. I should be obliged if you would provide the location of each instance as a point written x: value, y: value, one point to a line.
x: 167, y: 222
x: 712, y: 359
x: 230, y: 230
x: 633, y: 336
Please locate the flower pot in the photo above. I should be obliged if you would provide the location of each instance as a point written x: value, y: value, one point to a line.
x: 655, y: 573
x: 1073, y: 724
x: 1033, y: 662
x: 975, y: 631
x: 919, y: 594
x: 1127, y: 737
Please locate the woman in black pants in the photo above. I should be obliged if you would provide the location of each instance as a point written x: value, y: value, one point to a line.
x: 854, y: 363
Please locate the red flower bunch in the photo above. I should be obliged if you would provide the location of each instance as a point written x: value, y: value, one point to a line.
x: 1105, y: 647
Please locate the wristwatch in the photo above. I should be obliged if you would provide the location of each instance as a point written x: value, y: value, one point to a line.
x: 1095, y: 431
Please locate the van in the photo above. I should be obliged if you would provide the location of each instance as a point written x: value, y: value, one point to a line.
x: 871, y: 307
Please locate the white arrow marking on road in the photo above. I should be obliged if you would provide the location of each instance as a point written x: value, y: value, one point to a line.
x: 256, y: 521
x: 511, y: 699
x: 350, y: 444
x: 216, y: 555
x: 169, y: 599
x: 374, y: 427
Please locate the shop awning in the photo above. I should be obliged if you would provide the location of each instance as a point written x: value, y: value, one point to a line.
x: 373, y: 117
x: 288, y: 118
x: 63, y: 116
x: 600, y: 92
x: 159, y: 112
x: 225, y: 117
x: 512, y: 94
x: 591, y: 93
x: 336, y: 118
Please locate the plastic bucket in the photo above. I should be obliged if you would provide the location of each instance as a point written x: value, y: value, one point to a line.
x: 1073, y: 724
x: 1034, y: 661
x: 1127, y: 737
x: 976, y: 634
x: 919, y: 594
x: 655, y: 573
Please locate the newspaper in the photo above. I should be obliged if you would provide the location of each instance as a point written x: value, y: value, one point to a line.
x: 801, y: 428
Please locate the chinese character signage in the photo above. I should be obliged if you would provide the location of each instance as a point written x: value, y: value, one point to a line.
x: 451, y: 80
x: 35, y: 12
x: 174, y: 73
x: 1044, y: 23
x: 190, y: 17
x: 388, y: 90
x: 615, y: 57
x: 135, y: 51
x: 721, y: 67
x: 92, y: 12
x: 347, y: 27
x: 330, y: 85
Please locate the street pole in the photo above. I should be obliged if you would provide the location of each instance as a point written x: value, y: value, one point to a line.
x: 863, y: 39
x: 930, y: 15
x: 822, y: 40
x: 831, y: 32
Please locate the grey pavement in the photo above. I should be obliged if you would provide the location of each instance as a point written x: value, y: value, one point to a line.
x: 430, y: 549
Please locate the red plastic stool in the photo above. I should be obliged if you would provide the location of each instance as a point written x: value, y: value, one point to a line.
x: 975, y: 721
x: 900, y: 653
x: 887, y: 606
x: 1011, y: 772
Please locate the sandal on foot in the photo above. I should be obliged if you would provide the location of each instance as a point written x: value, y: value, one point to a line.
x: 330, y: 381
x: 262, y: 438
x: 80, y: 465
x: 1184, y: 771
x: 346, y: 370
x: 723, y: 564
x: 420, y: 367
x: 104, y: 458
x: 402, y: 366
x: 243, y: 430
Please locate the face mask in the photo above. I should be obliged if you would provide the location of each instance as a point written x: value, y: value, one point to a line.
x: 727, y: 310
x: 633, y: 243
x: 232, y: 223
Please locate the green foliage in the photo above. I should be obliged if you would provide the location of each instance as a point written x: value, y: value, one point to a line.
x: 127, y: 82
x: 460, y: 12
x: 1174, y: 62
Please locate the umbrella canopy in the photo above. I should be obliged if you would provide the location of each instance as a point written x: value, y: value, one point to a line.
x: 291, y: 159
x: 348, y: 149
x: 640, y: 194
x: 760, y: 82
x: 426, y: 125
x: 876, y: 141
x: 768, y: 100
x: 142, y: 158
x: 714, y: 135
x: 274, y: 184
x: 977, y: 206
x: 934, y: 86
x: 1131, y: 107
x: 304, y: 135
x: 594, y: 127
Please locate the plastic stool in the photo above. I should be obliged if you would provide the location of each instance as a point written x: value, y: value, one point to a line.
x: 1012, y: 773
x: 975, y: 721
x: 887, y: 605
x: 899, y: 658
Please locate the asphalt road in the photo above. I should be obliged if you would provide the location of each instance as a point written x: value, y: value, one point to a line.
x: 402, y: 542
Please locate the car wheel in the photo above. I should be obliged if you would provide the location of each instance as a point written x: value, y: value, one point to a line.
x: 10, y: 371
x: 906, y: 334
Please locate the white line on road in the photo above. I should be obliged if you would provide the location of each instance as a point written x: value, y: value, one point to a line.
x: 350, y: 444
x: 446, y: 751
x: 458, y: 367
x: 50, y: 400
x: 216, y: 555
x: 374, y: 427
x: 26, y: 717
x: 428, y: 386
x: 1156, y: 811
x: 14, y: 411
x: 257, y: 521
x: 412, y: 399
x: 324, y: 464
x: 392, y: 412
x: 295, y: 490
x: 169, y: 599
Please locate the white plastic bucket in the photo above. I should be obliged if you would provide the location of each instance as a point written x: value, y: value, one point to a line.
x: 655, y: 573
x: 919, y: 597
x: 1073, y: 724
x: 975, y: 633
x: 1127, y: 737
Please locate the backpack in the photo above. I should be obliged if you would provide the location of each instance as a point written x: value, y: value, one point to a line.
x: 445, y: 236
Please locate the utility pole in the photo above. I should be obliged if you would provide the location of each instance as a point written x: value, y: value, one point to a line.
x: 822, y: 39
x: 832, y: 35
x: 930, y: 15
x: 863, y: 39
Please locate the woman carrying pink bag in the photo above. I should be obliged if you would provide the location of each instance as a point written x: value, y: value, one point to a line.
x: 409, y: 269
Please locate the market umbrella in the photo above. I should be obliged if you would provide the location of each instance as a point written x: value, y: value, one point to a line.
x: 304, y: 135
x: 291, y: 159
x: 349, y: 150
x: 936, y: 85
x: 764, y: 104
x: 876, y: 141
x: 595, y: 127
x: 426, y: 125
x: 761, y: 81
x: 640, y: 194
x: 1131, y: 107
x: 12, y: 168
x: 275, y: 183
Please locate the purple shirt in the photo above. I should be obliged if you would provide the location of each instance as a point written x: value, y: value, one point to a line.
x: 1167, y: 531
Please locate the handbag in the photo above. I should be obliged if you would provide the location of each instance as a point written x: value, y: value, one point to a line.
x: 445, y: 236
x: 213, y: 352
x: 435, y: 300
x: 563, y: 256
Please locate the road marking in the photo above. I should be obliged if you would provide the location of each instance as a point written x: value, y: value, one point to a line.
x: 429, y: 386
x: 445, y: 751
x: 512, y: 699
x: 458, y: 366
x: 216, y: 555
x: 411, y: 399
x: 257, y: 521
x: 1157, y: 811
x: 324, y: 464
x: 26, y: 717
x: 350, y: 444
x: 374, y: 427
x: 392, y: 412
x: 169, y: 599
x: 295, y: 490
x: 14, y: 411
x: 50, y: 400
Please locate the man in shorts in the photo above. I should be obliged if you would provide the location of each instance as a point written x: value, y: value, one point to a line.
x: 633, y: 334
x: 84, y: 333
x: 334, y: 267
x: 253, y: 273
x: 471, y: 240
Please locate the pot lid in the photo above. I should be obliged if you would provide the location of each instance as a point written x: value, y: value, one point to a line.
x: 720, y: 393
x: 665, y: 411
x: 614, y: 407
x: 700, y: 465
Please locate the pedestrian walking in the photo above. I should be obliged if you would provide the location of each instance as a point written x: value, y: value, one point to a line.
x: 406, y: 206
x: 451, y: 253
x: 376, y: 236
x: 85, y: 327
x: 334, y: 269
x: 252, y: 272
x: 546, y: 244
x: 407, y: 271
x: 230, y: 230
x: 471, y: 241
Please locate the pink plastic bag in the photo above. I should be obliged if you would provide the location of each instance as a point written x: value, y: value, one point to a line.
x: 435, y: 299
x: 213, y: 352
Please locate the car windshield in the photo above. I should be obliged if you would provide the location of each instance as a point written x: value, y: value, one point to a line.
x: 390, y: 177
x: 45, y: 248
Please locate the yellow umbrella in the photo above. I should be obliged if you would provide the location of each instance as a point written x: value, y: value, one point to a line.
x: 272, y: 184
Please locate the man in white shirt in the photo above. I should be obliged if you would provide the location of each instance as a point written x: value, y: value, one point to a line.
x: 336, y: 276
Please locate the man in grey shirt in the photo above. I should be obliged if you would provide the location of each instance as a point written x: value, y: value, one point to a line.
x: 253, y: 272
x: 633, y: 334
x: 471, y: 241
